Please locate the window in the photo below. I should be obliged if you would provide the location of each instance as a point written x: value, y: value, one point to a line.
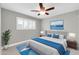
x: 25, y: 24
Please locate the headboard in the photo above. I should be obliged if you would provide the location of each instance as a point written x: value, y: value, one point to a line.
x: 58, y: 32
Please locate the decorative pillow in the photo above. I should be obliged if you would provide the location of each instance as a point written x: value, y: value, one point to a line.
x: 48, y: 35
x: 61, y: 36
x: 55, y: 35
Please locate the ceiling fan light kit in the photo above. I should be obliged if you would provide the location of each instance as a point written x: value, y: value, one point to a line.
x: 43, y: 10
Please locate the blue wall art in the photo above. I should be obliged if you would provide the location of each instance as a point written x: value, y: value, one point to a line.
x: 57, y: 24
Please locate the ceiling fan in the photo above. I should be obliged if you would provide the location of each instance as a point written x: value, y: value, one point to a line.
x: 43, y: 10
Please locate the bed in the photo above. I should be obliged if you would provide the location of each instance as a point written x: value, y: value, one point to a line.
x: 51, y: 46
x: 42, y: 46
x: 44, y: 49
x: 47, y: 49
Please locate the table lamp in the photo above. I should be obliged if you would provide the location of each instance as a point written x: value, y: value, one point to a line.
x: 72, y: 36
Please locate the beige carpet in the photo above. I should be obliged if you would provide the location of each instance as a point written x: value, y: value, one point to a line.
x: 13, y: 51
x: 73, y: 51
x: 10, y: 51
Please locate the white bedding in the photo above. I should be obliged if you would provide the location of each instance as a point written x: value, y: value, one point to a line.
x: 47, y: 50
x: 61, y: 41
x: 44, y: 49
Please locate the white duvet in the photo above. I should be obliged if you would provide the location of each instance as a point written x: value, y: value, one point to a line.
x: 47, y: 50
x: 44, y: 49
x: 60, y: 41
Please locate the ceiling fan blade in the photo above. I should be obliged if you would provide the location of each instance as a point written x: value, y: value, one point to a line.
x: 35, y: 10
x: 41, y: 5
x: 50, y: 8
x: 47, y: 13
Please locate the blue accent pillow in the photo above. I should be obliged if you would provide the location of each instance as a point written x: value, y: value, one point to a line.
x: 49, y: 35
x: 55, y: 35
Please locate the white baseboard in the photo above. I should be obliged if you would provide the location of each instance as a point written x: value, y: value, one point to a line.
x: 14, y: 44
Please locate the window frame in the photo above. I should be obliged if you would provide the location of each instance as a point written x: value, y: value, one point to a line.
x: 29, y: 20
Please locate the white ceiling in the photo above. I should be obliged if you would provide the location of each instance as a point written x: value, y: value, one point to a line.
x: 25, y: 8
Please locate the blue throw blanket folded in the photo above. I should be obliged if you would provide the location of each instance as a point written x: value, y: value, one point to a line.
x: 55, y: 45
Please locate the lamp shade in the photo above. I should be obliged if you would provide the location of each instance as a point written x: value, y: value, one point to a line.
x: 42, y: 32
x: 71, y: 36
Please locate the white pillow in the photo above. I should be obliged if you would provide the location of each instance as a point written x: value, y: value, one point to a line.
x: 61, y: 37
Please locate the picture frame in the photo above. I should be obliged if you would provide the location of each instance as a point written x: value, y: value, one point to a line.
x: 57, y: 24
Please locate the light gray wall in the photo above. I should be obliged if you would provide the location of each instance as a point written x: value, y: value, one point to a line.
x: 9, y: 22
x: 71, y: 23
x: 78, y: 30
x: 0, y: 30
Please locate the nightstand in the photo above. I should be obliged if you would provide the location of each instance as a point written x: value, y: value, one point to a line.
x: 72, y: 44
x: 40, y: 35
